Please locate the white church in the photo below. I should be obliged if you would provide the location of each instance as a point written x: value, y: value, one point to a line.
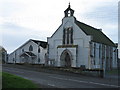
x: 73, y: 44
x: 31, y: 52
x: 76, y: 44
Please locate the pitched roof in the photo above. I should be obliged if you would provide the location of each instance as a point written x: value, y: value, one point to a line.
x: 28, y: 54
x: 2, y: 49
x: 98, y: 36
x: 42, y: 43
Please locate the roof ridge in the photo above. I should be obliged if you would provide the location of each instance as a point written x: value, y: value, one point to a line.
x: 88, y: 25
x: 98, y: 36
x: 37, y: 40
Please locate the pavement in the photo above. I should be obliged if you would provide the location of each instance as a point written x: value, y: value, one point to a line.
x: 53, y: 79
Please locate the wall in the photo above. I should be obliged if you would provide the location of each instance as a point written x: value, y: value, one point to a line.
x: 79, y: 37
x: 104, y: 56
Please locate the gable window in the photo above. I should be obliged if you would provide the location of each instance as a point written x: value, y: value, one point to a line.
x: 68, y: 32
x: 22, y: 50
x: 68, y: 35
x: 64, y: 36
x: 30, y: 48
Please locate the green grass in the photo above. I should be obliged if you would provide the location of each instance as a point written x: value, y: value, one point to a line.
x: 113, y: 71
x: 0, y: 74
x: 13, y: 81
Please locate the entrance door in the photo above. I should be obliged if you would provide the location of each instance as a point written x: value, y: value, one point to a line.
x: 26, y: 58
x: 67, y: 60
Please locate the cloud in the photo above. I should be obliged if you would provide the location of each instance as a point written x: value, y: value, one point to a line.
x: 103, y: 17
x: 14, y: 35
x: 20, y: 32
x: 8, y: 8
x: 38, y: 19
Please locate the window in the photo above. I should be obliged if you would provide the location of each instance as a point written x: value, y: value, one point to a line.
x: 39, y: 50
x: 103, y: 51
x: 64, y: 36
x: 94, y: 52
x: 68, y: 36
x: 13, y: 59
x: 45, y: 55
x: 22, y: 50
x: 115, y: 55
x: 38, y: 59
x: 31, y: 48
x: 99, y: 51
x: 71, y: 36
x: 91, y: 49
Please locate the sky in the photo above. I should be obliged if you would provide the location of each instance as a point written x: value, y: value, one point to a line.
x: 21, y: 20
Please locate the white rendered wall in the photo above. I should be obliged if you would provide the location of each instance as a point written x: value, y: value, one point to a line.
x: 79, y: 38
x: 16, y: 54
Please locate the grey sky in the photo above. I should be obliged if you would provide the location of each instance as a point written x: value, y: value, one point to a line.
x: 21, y: 20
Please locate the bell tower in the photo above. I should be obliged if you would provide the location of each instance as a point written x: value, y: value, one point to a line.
x: 69, y: 12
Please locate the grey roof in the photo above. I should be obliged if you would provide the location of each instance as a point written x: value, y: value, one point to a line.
x: 98, y: 36
x: 42, y: 43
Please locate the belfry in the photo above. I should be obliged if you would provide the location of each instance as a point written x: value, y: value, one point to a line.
x: 69, y: 11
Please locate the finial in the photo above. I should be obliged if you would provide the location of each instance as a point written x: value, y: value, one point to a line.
x: 69, y: 4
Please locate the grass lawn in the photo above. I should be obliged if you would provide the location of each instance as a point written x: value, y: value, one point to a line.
x: 0, y: 74
x: 13, y: 81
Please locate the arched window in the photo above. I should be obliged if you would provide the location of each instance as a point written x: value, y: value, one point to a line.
x: 22, y: 50
x: 31, y: 48
x: 39, y: 50
x: 68, y: 35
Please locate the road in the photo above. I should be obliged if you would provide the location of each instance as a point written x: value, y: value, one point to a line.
x: 62, y: 81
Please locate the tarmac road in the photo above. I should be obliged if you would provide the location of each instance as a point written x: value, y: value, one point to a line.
x: 60, y: 80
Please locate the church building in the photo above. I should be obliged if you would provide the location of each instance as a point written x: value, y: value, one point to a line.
x: 31, y: 52
x: 76, y: 44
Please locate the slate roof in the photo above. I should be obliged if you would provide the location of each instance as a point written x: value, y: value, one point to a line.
x: 98, y: 36
x: 42, y: 43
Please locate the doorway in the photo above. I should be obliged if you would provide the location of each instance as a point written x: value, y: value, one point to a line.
x: 65, y: 58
